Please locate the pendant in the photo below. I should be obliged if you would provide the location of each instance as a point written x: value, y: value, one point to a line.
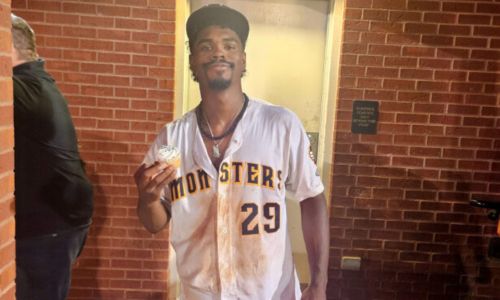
x: 215, y: 150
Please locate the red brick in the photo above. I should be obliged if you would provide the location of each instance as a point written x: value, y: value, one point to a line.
x: 435, y: 63
x: 354, y: 48
x: 113, y: 34
x: 477, y: 143
x: 419, y: 51
x: 450, y: 75
x: 440, y: 163
x: 423, y: 5
x: 437, y: 40
x: 399, y: 84
x: 353, y: 71
x: 421, y: 28
x: 44, y: 5
x: 474, y: 19
x: 384, y: 27
x: 415, y: 73
x: 461, y: 131
x: 382, y: 72
x: 442, y: 141
x: 409, y: 140
x: 455, y: 29
x: 404, y: 16
x: 466, y: 87
x: 487, y: 7
x: 407, y: 161
x: 429, y: 152
x: 417, y: 236
x: 485, y: 54
x: 482, y: 76
x: 489, y: 132
x: 432, y: 85
x: 413, y: 96
x: 384, y: 50
x: 356, y: 25
x: 492, y: 88
x: 371, y: 37
x: 145, y: 13
x: 447, y: 98
x: 440, y: 17
x: 370, y: 60
x: 164, y: 27
x: 458, y: 7
x: 353, y: 14
x: 97, y: 21
x: 375, y: 14
x: 463, y: 109
x: 414, y: 256
x: 129, y: 23
x: 494, y: 43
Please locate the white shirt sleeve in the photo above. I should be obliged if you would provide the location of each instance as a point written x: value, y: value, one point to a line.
x: 303, y: 178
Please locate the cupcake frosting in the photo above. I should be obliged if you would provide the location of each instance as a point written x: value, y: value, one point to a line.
x: 167, y: 152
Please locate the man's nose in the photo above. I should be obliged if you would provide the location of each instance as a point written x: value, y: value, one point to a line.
x: 218, y: 51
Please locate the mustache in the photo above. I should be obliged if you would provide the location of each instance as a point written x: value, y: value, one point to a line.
x: 218, y: 61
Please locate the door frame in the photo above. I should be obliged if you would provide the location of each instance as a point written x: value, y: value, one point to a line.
x: 333, y: 42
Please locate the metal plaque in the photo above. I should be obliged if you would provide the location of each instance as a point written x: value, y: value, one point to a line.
x: 364, y: 117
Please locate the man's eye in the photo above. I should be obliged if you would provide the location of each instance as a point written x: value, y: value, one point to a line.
x: 205, y: 48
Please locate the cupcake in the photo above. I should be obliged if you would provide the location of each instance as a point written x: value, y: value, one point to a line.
x: 170, y: 155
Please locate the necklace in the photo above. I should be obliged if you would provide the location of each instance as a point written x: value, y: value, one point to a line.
x: 236, y: 119
x: 215, y: 146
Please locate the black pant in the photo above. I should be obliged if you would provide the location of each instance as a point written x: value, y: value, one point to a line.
x: 43, y: 264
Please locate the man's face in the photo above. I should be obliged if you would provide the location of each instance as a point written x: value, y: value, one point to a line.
x: 217, y: 58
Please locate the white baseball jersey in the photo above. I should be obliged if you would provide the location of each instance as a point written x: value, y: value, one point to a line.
x: 229, y: 226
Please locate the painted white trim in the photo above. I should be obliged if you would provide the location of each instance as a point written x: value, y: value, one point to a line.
x: 330, y: 93
x: 182, y: 9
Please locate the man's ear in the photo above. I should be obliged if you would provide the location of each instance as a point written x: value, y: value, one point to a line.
x: 193, y: 73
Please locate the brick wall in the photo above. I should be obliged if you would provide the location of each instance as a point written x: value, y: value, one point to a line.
x: 7, y: 225
x: 400, y: 197
x: 113, y: 60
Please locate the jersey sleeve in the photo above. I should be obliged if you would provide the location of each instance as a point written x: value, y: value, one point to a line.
x: 303, y: 178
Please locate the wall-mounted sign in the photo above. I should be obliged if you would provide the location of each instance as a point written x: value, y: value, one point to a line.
x: 364, y: 117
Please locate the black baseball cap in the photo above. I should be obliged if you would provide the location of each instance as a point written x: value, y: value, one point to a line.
x: 217, y: 14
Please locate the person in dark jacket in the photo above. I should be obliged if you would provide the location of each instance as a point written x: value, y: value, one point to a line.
x: 54, y: 197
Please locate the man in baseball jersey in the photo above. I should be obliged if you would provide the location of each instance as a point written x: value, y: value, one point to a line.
x: 226, y: 202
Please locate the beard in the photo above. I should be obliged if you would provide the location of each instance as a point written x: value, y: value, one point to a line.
x: 219, y: 84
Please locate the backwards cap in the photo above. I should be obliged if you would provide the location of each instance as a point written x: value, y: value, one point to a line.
x: 220, y: 15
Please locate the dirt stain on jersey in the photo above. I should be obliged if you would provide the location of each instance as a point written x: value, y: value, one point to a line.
x: 202, y: 249
x: 250, y: 256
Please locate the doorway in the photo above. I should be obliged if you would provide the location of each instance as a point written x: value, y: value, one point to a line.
x: 291, y: 63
